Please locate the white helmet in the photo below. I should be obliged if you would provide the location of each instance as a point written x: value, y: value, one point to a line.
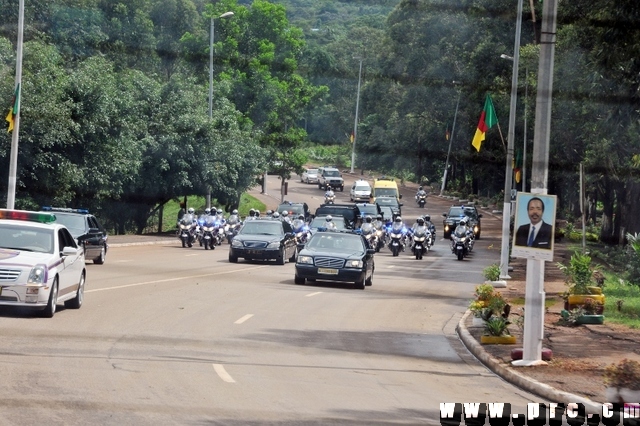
x: 328, y: 218
x: 191, y: 210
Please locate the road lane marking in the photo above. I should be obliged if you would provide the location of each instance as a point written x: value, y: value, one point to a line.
x: 313, y: 294
x: 243, y: 319
x: 173, y: 279
x: 391, y: 266
x: 195, y: 254
x: 223, y: 373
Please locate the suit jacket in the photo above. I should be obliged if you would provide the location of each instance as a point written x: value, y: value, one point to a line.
x: 543, y: 239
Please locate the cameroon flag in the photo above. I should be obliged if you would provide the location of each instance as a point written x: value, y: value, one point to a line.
x: 13, y: 111
x: 487, y: 120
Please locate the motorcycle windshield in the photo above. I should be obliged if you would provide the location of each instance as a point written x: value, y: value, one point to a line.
x: 460, y: 233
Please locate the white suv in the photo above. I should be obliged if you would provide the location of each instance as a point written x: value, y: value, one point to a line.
x: 360, y: 191
x: 330, y: 176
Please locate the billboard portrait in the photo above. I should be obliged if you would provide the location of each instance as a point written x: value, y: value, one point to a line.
x: 534, y: 226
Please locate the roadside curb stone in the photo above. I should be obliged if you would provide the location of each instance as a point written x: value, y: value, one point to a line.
x: 510, y: 375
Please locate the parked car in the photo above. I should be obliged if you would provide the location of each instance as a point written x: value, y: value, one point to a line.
x: 86, y: 229
x: 336, y: 256
x: 453, y: 216
x: 40, y: 263
x: 264, y: 239
x: 309, y: 176
x: 360, y: 191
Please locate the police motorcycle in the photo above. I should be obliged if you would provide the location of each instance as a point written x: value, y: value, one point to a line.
x: 301, y: 231
x: 208, y: 239
x: 460, y: 240
x: 421, y: 239
x: 381, y: 233
x: 220, y: 222
x: 188, y: 228
x: 232, y: 226
x: 329, y: 196
x: 431, y: 226
x: 397, y: 235
x: 369, y: 231
x: 421, y: 198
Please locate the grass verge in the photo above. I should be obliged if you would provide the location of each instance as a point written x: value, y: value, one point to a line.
x: 622, y: 302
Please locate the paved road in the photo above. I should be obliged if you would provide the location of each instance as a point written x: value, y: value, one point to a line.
x: 180, y: 336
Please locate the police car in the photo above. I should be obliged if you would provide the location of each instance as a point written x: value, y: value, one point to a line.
x: 40, y: 263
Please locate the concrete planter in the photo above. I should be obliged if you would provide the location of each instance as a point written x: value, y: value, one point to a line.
x: 498, y: 340
x: 590, y: 319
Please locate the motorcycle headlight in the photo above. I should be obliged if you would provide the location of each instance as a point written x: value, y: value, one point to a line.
x: 354, y: 264
x: 38, y: 275
x: 396, y: 235
x: 236, y: 243
x: 419, y: 239
x: 183, y: 226
x: 274, y: 244
x: 299, y: 235
x: 475, y: 229
x: 305, y: 259
x: 446, y: 228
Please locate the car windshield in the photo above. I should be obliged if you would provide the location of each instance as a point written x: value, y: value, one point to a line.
x: 386, y: 212
x: 332, y: 173
x: 362, y: 188
x: 335, y: 243
x: 26, y: 239
x: 312, y: 171
x: 368, y: 210
x: 387, y: 201
x: 381, y: 192
x: 321, y: 222
x: 461, y: 211
x: 74, y: 223
x: 292, y: 209
x: 262, y: 228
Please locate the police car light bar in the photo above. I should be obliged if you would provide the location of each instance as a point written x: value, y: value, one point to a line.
x: 64, y: 209
x: 27, y: 216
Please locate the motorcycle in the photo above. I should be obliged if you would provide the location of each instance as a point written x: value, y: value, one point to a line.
x: 421, y: 200
x: 209, y: 239
x: 421, y: 242
x: 396, y: 240
x: 371, y: 235
x: 329, y: 199
x: 231, y: 230
x: 460, y: 244
x: 188, y: 230
x: 302, y: 236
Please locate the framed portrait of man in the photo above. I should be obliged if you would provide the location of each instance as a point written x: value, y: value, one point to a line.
x: 534, y: 226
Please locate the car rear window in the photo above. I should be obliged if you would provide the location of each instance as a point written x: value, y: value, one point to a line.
x: 262, y: 228
x: 382, y: 192
x: 74, y: 223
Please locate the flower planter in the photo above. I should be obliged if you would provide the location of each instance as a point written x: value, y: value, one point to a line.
x: 590, y: 319
x: 498, y: 340
x: 497, y: 284
x: 579, y: 299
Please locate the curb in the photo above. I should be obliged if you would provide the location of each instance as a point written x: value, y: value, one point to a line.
x: 523, y: 382
x: 144, y: 243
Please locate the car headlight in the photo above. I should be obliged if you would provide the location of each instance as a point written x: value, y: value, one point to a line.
x: 354, y: 264
x: 236, y: 243
x: 275, y: 244
x: 446, y: 227
x: 476, y: 229
x: 38, y: 275
x: 305, y: 259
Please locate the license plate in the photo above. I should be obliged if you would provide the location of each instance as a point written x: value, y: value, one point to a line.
x: 253, y: 251
x: 328, y: 271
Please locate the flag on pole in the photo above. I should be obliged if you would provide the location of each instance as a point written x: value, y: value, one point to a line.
x: 13, y: 111
x: 517, y: 166
x: 447, y: 134
x: 352, y: 137
x: 487, y: 120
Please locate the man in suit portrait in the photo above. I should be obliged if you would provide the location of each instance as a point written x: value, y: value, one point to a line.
x: 537, y: 233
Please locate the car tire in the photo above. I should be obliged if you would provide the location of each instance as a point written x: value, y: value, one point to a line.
x: 298, y: 280
x: 478, y: 236
x: 100, y: 259
x: 294, y: 257
x: 50, y: 310
x: 360, y: 285
x: 369, y: 281
x: 76, y: 302
x: 233, y: 259
x: 280, y: 260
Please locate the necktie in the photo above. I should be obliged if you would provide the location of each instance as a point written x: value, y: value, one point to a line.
x: 533, y: 231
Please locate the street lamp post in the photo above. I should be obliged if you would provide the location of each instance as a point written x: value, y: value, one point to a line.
x: 453, y: 129
x: 13, y: 156
x: 506, y: 211
x: 213, y: 18
x: 355, y: 124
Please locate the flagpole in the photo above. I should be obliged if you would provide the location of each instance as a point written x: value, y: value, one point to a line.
x: 453, y: 129
x: 13, y: 158
x: 355, y: 124
x: 506, y: 211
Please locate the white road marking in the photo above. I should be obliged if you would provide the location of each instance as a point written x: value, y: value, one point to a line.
x: 391, y: 266
x: 173, y: 279
x: 313, y: 294
x: 243, y: 319
x: 223, y: 373
x: 188, y: 255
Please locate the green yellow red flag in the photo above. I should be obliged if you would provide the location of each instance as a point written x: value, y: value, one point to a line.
x: 487, y: 120
x: 13, y: 111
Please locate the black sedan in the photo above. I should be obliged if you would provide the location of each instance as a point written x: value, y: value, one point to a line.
x: 264, y: 239
x: 86, y: 229
x: 336, y: 256
x: 453, y: 216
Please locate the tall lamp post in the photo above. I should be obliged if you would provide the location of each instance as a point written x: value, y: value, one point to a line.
x: 355, y: 124
x: 13, y: 156
x: 506, y: 211
x: 453, y: 129
x: 212, y: 27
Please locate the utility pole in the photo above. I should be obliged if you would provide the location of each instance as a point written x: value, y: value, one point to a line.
x: 453, y: 129
x: 13, y: 156
x: 355, y: 125
x: 534, y: 291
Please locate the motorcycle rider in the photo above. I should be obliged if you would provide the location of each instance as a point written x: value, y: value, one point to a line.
x: 269, y: 213
x: 329, y: 224
x: 421, y: 192
x: 367, y: 227
x: 461, y: 229
x: 397, y: 227
x: 298, y: 223
x: 252, y: 214
x: 276, y: 215
x: 329, y: 193
x: 431, y: 226
x: 234, y: 219
x: 284, y: 216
